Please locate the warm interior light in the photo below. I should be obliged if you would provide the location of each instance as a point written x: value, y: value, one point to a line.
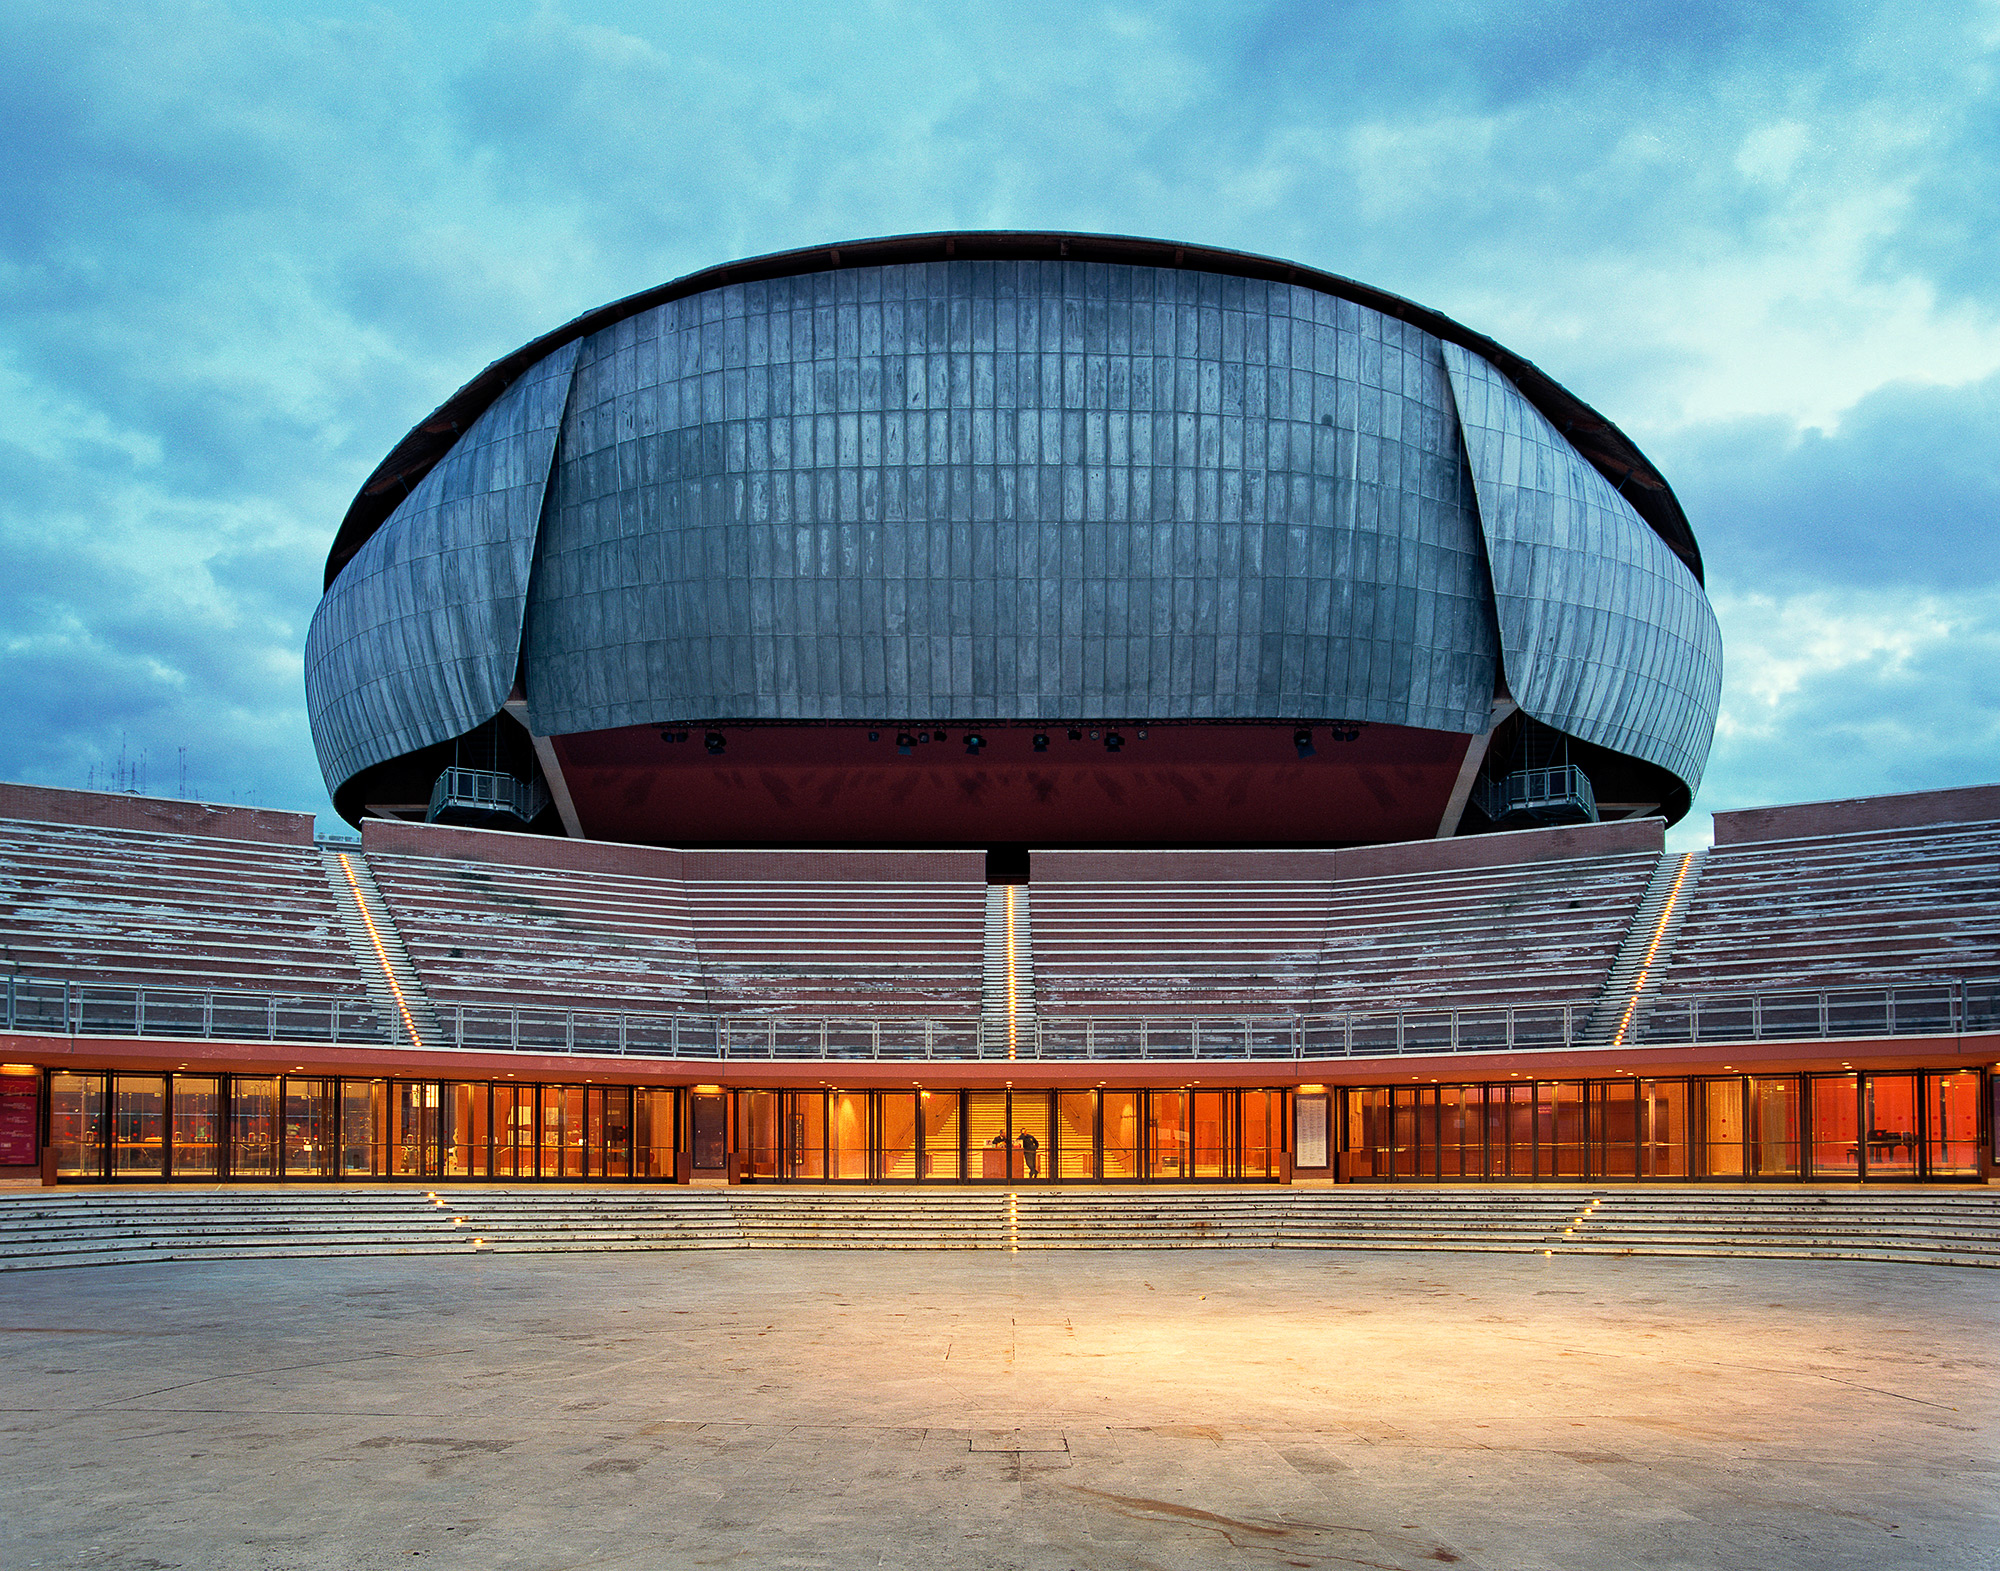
x: 27, y: 1069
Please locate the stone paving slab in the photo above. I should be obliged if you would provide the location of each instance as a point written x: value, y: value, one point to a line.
x: 809, y: 1409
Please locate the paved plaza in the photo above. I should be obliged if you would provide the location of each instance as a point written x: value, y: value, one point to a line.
x: 931, y: 1409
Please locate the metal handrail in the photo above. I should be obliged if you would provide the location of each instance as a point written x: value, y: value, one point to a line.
x: 1946, y: 1007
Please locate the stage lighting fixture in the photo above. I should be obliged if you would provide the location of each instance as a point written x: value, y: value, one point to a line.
x: 715, y: 742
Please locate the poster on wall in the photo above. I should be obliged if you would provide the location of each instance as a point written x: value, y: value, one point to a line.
x: 18, y: 1107
x: 1312, y: 1131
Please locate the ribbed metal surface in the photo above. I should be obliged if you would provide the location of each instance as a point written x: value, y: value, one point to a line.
x: 987, y: 489
x: 419, y: 638
x: 1605, y: 633
x: 981, y: 490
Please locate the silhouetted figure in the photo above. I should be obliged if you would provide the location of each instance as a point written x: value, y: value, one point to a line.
x: 1030, y: 1149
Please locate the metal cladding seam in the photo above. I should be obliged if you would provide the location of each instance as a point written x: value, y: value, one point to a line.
x: 418, y: 640
x: 1604, y: 633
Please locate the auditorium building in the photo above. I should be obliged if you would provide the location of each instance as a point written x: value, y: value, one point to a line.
x: 1006, y: 709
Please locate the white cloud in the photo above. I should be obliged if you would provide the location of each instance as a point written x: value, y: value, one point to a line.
x: 1852, y: 692
x: 241, y: 252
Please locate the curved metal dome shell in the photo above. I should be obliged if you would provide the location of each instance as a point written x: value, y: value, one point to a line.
x: 1013, y: 488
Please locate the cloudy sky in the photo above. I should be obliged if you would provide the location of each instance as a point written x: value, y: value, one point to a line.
x: 243, y: 247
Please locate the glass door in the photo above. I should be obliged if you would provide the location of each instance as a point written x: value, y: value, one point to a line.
x: 1722, y: 1129
x: 413, y: 1128
x: 896, y: 1156
x: 1030, y: 1124
x: 709, y: 1113
x: 1076, y: 1134
x: 759, y: 1117
x: 253, y: 1128
x: 808, y: 1133
x: 987, y: 1137
x: 197, y: 1126
x: 1774, y: 1127
x: 943, y: 1160
x: 1121, y: 1133
x: 138, y: 1126
x: 847, y: 1135
x: 1167, y: 1147
x: 1889, y: 1114
x: 1951, y: 1109
x: 1834, y: 1111
x: 310, y: 1111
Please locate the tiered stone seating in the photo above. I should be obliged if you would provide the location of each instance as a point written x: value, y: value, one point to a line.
x: 665, y: 931
x: 490, y: 933
x: 1861, y: 910
x: 1544, y: 930
x: 825, y: 946
x: 122, y: 908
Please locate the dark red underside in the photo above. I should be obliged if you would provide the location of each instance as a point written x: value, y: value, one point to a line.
x: 1181, y: 785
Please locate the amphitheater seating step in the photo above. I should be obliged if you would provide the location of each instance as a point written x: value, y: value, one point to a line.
x: 124, y: 1226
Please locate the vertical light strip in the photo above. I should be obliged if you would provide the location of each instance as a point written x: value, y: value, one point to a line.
x: 1653, y: 950
x: 1013, y: 981
x: 381, y: 952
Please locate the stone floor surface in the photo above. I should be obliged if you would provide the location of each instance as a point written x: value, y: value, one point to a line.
x: 1123, y: 1410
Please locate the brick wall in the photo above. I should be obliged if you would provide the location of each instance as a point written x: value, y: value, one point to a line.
x: 597, y: 856
x: 1564, y: 844
x: 159, y: 815
x: 1859, y: 815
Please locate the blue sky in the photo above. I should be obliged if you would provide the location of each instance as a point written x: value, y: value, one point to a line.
x: 243, y: 247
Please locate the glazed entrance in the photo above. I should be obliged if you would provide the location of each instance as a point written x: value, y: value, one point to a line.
x: 1010, y: 1136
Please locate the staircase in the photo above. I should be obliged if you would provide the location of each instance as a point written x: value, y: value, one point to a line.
x: 1958, y: 1227
x: 788, y: 1216
x: 540, y: 1221
x: 1620, y: 1011
x: 393, y: 985
x: 1007, y: 994
x: 128, y: 1227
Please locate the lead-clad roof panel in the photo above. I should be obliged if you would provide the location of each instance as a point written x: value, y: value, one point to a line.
x: 1020, y: 488
x: 418, y: 639
x: 1604, y: 633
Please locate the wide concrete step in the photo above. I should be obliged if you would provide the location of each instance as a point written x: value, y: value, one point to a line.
x: 131, y: 1225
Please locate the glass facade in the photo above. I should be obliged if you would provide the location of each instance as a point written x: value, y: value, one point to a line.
x: 1847, y: 1127
x: 1731, y: 1128
x: 265, y: 1127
